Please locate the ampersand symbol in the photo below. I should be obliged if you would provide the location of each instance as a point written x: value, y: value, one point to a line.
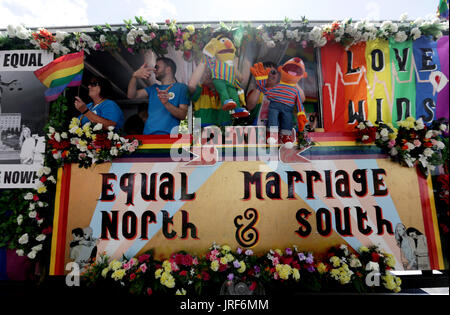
x: 247, y: 236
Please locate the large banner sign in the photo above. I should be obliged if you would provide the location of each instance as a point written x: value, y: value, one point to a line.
x: 127, y: 208
x: 23, y: 114
x: 382, y: 80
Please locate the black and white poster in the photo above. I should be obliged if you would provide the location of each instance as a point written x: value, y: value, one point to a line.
x: 23, y: 115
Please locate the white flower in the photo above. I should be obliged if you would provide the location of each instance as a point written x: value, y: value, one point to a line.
x: 23, y: 239
x: 393, y: 151
x: 28, y: 196
x: 37, y: 248
x: 439, y: 144
x: 278, y: 36
x: 32, y: 206
x: 130, y: 39
x: 20, y: 252
x: 19, y: 219
x: 423, y: 160
x: 416, y: 33
x: 429, y: 134
x: 384, y: 132
x: 403, y: 17
x: 114, y: 151
x: 400, y: 37
x: 57, y: 137
x: 111, y: 128
x: 365, y: 137
x: 418, y: 22
x: 428, y: 152
x: 102, y: 39
x: 11, y: 30
x: 47, y: 170
x: 443, y: 127
x: 97, y: 127
x: 64, y: 135
x: 52, y: 179
x: 40, y: 237
x: 59, y: 36
x: 32, y: 214
x: 32, y: 254
x: 419, y: 124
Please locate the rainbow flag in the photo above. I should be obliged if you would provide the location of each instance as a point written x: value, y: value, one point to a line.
x: 62, y: 72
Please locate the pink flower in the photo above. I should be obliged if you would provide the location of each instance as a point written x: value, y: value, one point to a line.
x: 143, y: 267
x: 143, y: 258
x: 391, y: 143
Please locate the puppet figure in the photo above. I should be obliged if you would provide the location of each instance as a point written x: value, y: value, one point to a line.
x: 219, y: 56
x: 283, y: 97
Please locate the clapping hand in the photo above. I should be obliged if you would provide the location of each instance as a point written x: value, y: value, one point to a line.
x: 163, y: 94
x: 143, y: 72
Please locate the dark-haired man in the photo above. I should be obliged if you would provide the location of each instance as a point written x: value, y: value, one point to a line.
x: 167, y: 102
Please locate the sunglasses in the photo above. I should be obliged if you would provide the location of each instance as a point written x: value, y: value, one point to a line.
x: 93, y: 84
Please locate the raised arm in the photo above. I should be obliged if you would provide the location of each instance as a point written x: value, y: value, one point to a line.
x: 143, y: 72
x: 196, y: 77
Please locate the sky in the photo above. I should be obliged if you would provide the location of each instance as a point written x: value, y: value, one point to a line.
x: 46, y: 13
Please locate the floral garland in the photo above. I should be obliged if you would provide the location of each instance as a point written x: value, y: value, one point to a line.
x: 190, y: 40
x: 412, y: 144
x: 221, y: 267
x: 88, y: 144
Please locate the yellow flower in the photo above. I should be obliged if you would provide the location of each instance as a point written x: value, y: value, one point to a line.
x: 105, y: 272
x: 226, y: 249
x: 390, y: 260
x: 187, y: 45
x: 186, y: 36
x: 283, y: 271
x: 158, y: 273
x: 242, y: 268
x: 118, y: 274
x: 223, y: 261
x: 279, y: 252
x: 114, y: 265
x: 167, y: 265
x: 167, y: 279
x: 296, y: 274
x: 190, y: 28
x: 215, y: 265
x: 42, y: 189
x: 79, y: 132
x: 363, y: 249
x: 335, y: 261
x: 321, y: 268
x: 74, y: 122
x: 229, y: 258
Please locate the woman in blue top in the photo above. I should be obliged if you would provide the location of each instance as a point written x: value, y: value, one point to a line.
x: 101, y: 109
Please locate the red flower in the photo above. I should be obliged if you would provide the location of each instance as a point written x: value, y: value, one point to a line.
x: 183, y: 273
x: 47, y: 230
x: 206, y: 276
x: 132, y: 276
x: 149, y: 291
x: 43, y: 179
x: 102, y: 142
x: 253, y: 286
x: 375, y: 257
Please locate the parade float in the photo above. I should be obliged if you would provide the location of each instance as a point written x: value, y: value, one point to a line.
x: 218, y: 210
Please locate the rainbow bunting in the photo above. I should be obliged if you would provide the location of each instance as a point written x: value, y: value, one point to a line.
x: 62, y: 72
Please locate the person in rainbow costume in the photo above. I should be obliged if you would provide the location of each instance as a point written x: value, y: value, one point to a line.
x: 219, y: 54
x: 283, y: 97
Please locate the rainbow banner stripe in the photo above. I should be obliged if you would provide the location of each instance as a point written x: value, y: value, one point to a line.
x: 62, y: 72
